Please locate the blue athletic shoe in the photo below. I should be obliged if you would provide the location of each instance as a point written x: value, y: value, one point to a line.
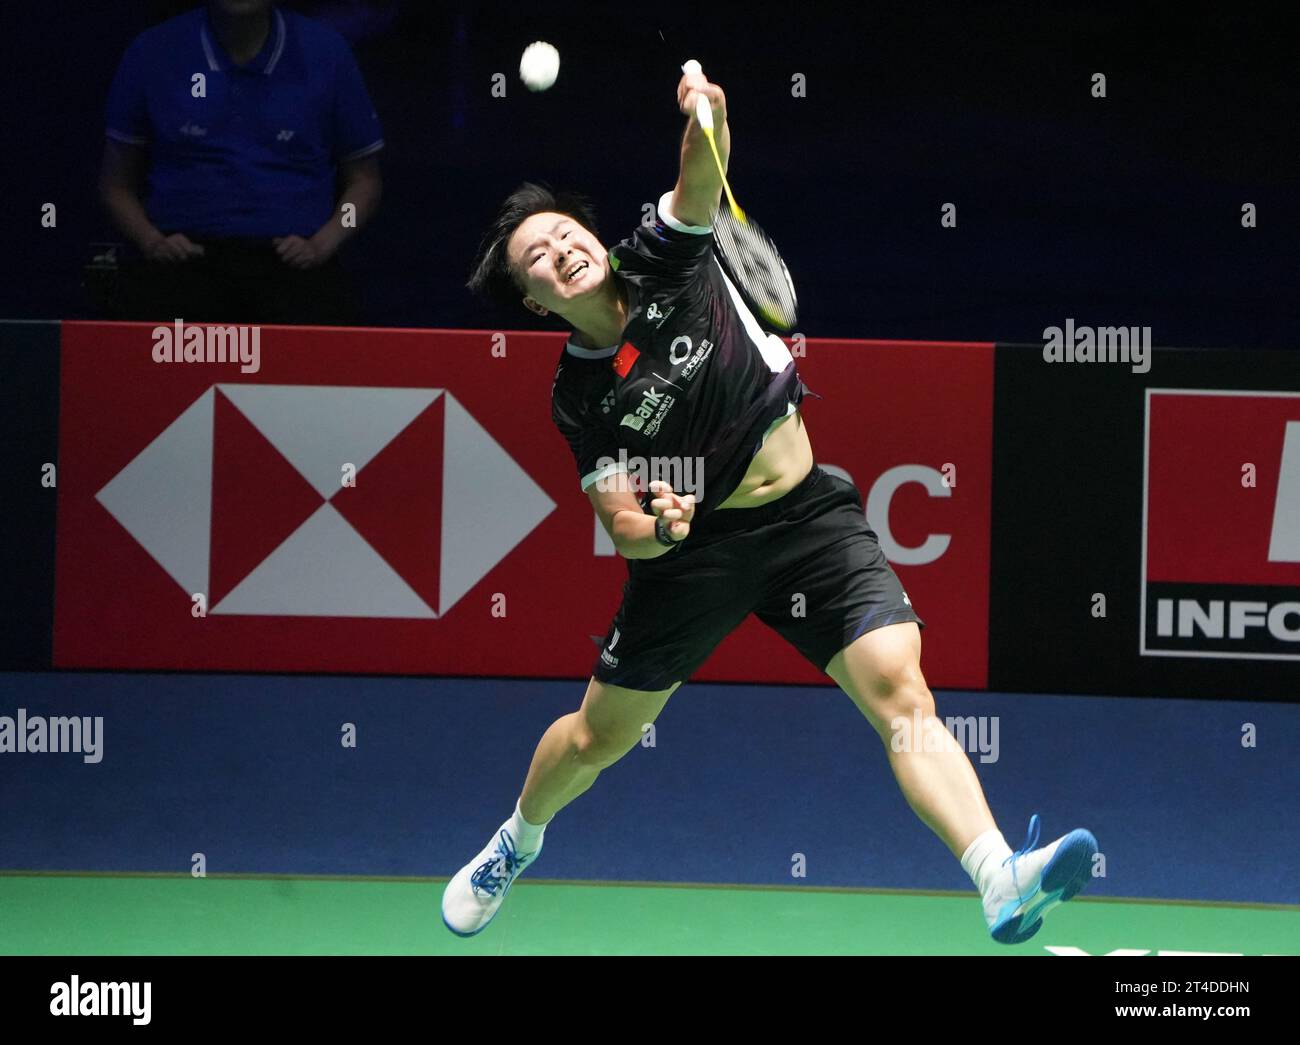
x: 1033, y: 881
x: 477, y: 891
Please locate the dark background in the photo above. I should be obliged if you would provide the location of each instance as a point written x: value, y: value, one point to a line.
x: 1120, y: 211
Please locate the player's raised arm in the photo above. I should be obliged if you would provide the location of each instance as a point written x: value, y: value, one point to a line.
x: 699, y: 185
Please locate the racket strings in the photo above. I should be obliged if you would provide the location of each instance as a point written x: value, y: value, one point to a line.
x: 757, y: 267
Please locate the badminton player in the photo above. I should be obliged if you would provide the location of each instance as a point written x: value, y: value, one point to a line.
x: 666, y: 360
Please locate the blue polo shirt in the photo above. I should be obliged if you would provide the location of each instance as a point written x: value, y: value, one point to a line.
x: 255, y: 156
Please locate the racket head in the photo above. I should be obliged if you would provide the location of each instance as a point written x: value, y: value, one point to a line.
x: 757, y: 269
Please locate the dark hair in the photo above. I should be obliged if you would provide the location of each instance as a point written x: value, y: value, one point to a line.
x: 491, y: 276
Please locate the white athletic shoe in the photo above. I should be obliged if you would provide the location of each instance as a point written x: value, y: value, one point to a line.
x: 1033, y: 881
x: 476, y: 892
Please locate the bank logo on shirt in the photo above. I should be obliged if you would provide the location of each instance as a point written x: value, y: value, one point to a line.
x: 654, y: 404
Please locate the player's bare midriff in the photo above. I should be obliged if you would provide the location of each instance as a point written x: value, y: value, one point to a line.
x: 781, y: 463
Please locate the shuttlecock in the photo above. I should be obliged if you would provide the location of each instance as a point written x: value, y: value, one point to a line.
x: 539, y: 66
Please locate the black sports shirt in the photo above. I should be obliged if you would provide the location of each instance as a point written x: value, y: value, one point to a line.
x: 694, y: 375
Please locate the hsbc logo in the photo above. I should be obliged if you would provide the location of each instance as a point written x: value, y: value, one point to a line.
x: 1221, y: 525
x: 242, y: 498
x: 880, y: 497
x: 178, y: 480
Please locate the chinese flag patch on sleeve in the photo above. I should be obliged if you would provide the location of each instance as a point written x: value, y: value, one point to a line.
x: 624, y: 358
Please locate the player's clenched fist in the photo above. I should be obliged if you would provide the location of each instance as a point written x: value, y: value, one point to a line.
x: 676, y: 511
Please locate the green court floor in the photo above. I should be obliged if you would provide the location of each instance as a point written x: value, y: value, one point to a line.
x: 170, y: 914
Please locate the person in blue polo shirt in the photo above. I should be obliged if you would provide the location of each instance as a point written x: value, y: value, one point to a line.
x: 240, y: 155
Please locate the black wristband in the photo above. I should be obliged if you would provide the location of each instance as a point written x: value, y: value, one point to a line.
x: 661, y: 533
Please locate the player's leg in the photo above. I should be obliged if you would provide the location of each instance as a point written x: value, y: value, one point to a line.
x: 569, y: 757
x: 671, y: 617
x: 881, y: 673
x: 577, y: 746
x: 858, y: 625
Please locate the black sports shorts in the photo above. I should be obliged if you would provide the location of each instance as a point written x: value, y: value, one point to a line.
x: 807, y: 564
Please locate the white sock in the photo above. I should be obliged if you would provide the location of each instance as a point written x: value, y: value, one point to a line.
x: 983, y: 860
x: 527, y: 836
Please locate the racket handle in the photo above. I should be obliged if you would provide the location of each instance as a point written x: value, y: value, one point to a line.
x: 703, y: 112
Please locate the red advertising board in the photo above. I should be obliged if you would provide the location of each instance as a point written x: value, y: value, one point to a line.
x: 1221, y: 524
x: 398, y: 501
